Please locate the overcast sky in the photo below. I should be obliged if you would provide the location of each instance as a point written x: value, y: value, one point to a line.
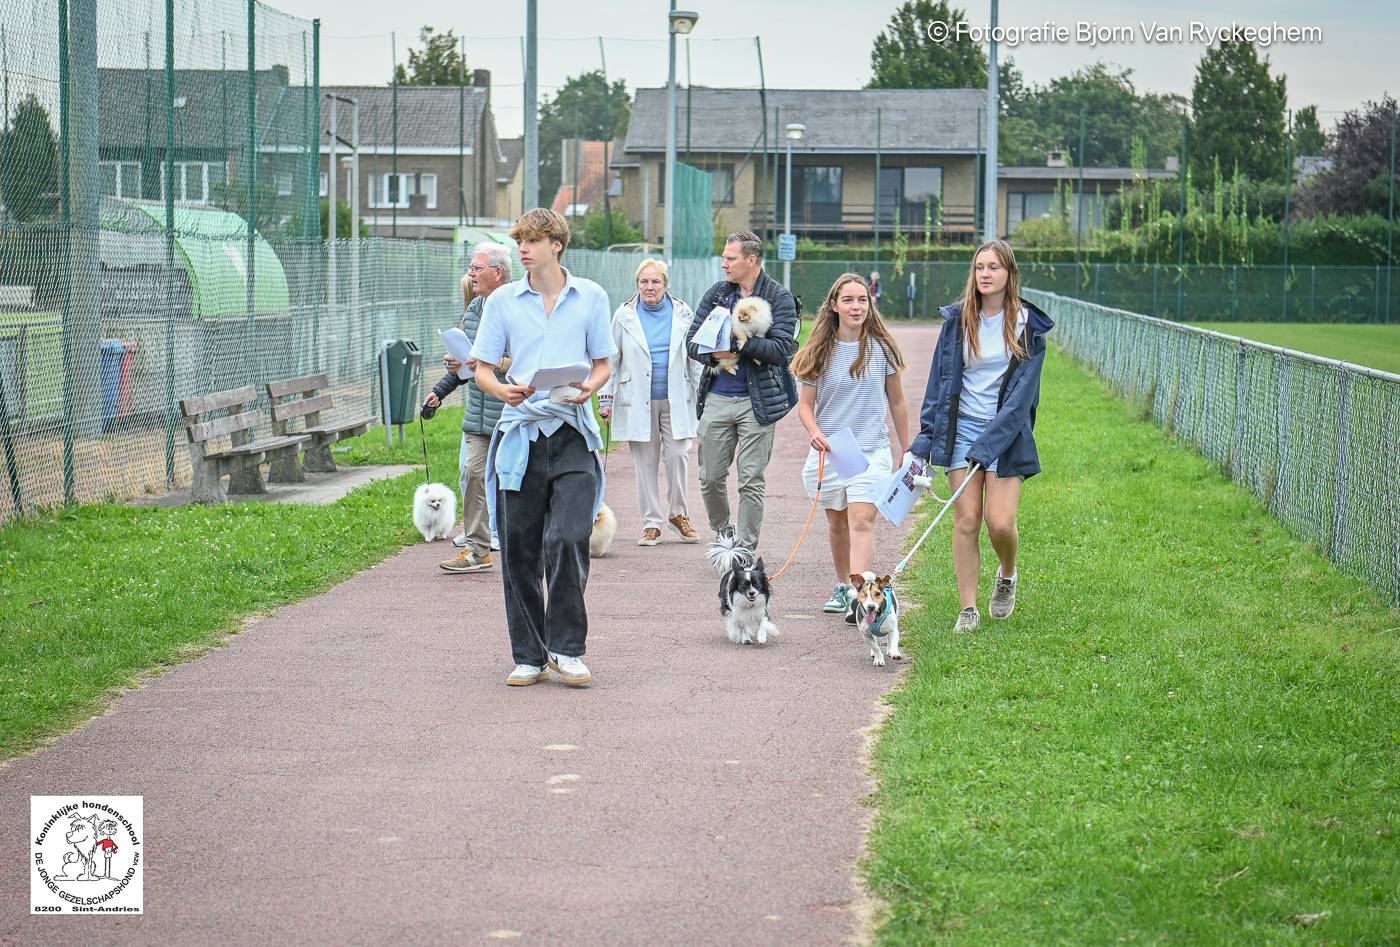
x: 826, y: 43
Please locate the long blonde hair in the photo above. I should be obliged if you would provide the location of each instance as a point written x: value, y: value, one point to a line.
x: 972, y: 301
x: 811, y: 360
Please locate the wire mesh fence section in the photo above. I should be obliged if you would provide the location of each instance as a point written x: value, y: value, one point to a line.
x: 1317, y: 441
x: 131, y: 441
x: 1190, y: 293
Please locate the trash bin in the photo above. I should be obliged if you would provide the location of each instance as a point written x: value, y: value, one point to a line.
x: 401, y: 373
x: 113, y: 352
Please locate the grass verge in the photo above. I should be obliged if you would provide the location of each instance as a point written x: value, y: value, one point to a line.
x: 93, y: 596
x: 1188, y: 731
x: 1375, y: 346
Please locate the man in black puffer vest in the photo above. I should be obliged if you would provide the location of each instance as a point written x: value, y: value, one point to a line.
x: 488, y: 271
x: 738, y: 412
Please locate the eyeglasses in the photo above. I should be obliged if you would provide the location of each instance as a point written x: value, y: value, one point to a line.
x: 476, y: 268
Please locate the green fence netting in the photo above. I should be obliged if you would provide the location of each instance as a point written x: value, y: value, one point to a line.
x: 1190, y: 293
x: 1317, y: 441
x: 694, y: 224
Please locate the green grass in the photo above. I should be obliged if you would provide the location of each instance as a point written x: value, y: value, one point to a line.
x: 1375, y: 346
x: 92, y: 596
x: 1187, y: 732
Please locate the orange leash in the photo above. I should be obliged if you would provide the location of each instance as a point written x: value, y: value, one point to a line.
x: 821, y: 470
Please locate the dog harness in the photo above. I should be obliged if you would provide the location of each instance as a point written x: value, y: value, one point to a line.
x: 890, y: 604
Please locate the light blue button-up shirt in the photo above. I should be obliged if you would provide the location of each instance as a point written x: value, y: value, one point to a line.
x: 579, y: 330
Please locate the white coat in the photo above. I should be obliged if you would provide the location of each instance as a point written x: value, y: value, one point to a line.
x: 630, y: 384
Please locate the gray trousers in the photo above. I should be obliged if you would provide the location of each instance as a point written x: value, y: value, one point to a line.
x: 544, y: 528
x: 476, y: 518
x: 728, y: 429
x: 647, y: 457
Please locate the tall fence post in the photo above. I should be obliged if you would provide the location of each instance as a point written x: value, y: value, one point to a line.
x: 252, y: 176
x: 169, y: 241
x: 1340, y: 494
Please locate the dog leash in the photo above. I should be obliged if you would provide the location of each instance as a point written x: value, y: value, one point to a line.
x: 948, y: 505
x: 423, y: 439
x: 821, y: 471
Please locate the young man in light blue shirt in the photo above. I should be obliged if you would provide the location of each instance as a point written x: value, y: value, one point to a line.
x: 544, y: 479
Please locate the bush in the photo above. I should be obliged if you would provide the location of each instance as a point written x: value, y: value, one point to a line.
x: 592, y: 233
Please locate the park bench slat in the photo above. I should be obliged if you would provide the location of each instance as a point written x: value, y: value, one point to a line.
x: 296, y: 409
x: 219, y: 399
x: 295, y: 386
x: 204, y: 430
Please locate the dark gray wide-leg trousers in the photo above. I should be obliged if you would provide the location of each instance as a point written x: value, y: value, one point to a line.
x: 544, y: 529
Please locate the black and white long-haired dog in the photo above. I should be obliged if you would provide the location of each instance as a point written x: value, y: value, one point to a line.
x: 744, y: 591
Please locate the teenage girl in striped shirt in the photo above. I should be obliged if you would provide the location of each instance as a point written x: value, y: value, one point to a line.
x: 850, y: 372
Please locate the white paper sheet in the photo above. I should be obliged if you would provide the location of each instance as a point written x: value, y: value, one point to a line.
x: 562, y: 377
x: 845, y: 456
x: 715, y: 333
x: 899, y: 493
x: 460, y: 348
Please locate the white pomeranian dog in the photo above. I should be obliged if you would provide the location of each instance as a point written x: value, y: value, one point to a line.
x: 751, y: 319
x: 434, y: 511
x: 604, y: 529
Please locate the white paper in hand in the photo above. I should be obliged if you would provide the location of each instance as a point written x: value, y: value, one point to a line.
x: 845, y: 456
x: 559, y: 381
x: 460, y: 348
x: 715, y: 333
x: 900, y: 492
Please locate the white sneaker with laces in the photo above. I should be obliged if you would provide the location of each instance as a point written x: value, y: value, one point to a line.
x: 525, y: 674
x: 573, y: 671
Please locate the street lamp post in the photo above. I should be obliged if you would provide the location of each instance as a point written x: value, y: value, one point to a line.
x: 681, y: 23
x: 795, y: 131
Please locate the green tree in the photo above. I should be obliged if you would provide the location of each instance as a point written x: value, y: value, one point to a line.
x: 29, y: 162
x: 1238, y: 114
x: 439, y: 62
x: 585, y: 107
x: 1040, y: 118
x: 1308, y: 137
x: 905, y: 57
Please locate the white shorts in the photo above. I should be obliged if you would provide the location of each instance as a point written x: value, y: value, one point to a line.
x: 837, y: 494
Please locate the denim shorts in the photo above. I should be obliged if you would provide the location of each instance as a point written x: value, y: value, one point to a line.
x: 969, y: 429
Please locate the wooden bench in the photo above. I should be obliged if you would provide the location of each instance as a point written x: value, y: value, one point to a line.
x: 294, y: 401
x: 204, y: 423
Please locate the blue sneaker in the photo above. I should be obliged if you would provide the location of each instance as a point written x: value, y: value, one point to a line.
x: 840, y: 600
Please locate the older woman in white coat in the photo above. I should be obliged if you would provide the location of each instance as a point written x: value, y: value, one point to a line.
x: 650, y: 398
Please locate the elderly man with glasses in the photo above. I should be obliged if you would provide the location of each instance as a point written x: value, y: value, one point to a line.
x: 488, y: 271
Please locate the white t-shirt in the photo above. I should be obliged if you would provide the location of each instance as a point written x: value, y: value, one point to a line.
x: 856, y: 403
x: 982, y: 375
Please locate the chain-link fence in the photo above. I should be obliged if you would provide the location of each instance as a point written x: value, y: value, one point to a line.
x: 1316, y: 440
x: 155, y: 158
x: 1186, y: 293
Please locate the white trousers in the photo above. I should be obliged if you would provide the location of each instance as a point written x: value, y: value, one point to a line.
x: 647, y: 457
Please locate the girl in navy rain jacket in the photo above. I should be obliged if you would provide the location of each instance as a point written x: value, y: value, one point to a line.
x: 983, y: 389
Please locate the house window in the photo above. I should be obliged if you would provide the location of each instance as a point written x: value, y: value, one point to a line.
x: 816, y: 194
x: 1027, y: 205
x: 427, y: 187
x: 721, y: 184
x: 325, y: 184
x: 120, y: 178
x: 196, y: 182
x: 284, y: 184
x: 388, y: 190
x: 914, y: 192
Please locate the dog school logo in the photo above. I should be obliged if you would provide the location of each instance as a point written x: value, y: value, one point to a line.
x: 86, y: 853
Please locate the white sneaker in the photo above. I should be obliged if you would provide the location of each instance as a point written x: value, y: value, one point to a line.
x: 460, y: 541
x: 572, y: 670
x: 526, y: 674
x: 495, y: 541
